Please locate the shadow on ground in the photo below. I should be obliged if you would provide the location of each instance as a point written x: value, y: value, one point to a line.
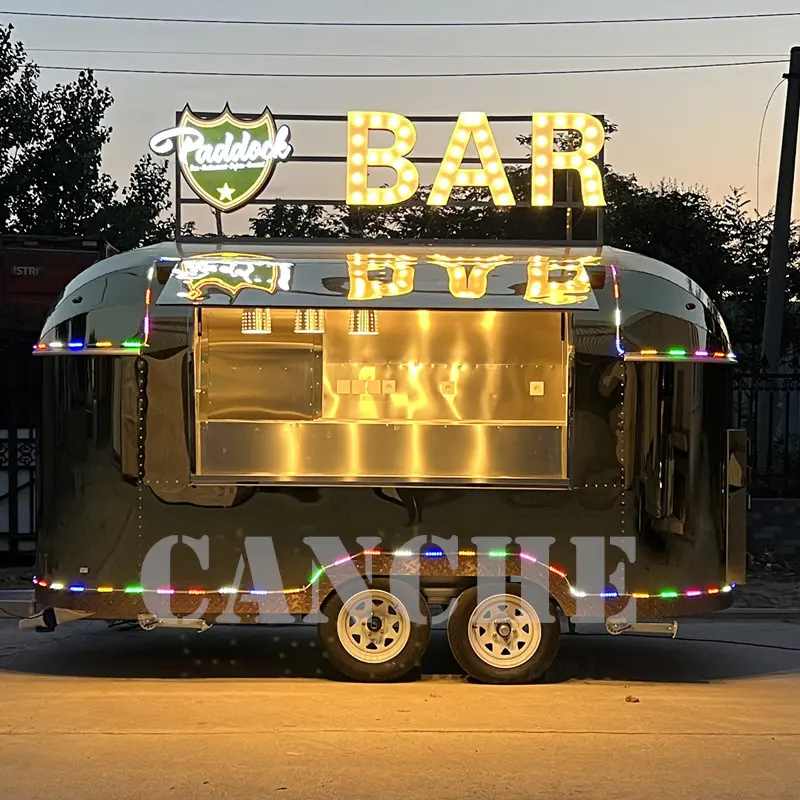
x: 89, y: 649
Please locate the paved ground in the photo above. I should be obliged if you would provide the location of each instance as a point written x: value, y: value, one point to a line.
x: 240, y: 713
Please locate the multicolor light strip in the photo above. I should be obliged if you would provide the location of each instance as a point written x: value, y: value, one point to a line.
x: 617, y: 311
x: 680, y: 354
x: 429, y: 552
x: 130, y: 347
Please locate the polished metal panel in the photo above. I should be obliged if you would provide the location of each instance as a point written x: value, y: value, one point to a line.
x: 257, y: 377
x: 448, y: 366
x: 413, y: 278
x: 736, y: 507
x: 336, y: 452
x: 648, y: 288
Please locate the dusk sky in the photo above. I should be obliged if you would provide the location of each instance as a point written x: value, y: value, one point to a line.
x: 696, y: 126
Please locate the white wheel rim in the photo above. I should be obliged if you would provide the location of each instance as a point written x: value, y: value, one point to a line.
x: 504, y: 631
x: 373, y: 626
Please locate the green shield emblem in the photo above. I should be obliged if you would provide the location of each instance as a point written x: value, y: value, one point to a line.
x: 227, y: 160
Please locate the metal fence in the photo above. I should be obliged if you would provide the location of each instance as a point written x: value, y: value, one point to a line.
x: 19, y: 406
x: 768, y: 407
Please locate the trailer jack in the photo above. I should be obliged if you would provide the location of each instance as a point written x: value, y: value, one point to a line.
x: 620, y: 625
x: 149, y: 622
x: 47, y: 620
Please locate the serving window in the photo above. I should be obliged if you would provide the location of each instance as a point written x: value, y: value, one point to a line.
x: 396, y: 396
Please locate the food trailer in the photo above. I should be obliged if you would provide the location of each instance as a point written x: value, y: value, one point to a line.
x: 354, y: 432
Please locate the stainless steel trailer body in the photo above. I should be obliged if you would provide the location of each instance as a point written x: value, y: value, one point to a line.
x: 445, y: 395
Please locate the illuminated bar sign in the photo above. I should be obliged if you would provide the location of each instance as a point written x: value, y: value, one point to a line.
x: 471, y: 127
x: 226, y: 160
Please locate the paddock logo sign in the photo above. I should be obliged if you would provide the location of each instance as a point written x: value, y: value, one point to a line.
x: 227, y: 160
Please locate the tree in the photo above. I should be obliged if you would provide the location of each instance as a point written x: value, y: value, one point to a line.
x: 51, y: 145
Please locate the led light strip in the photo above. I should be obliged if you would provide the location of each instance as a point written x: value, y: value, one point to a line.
x: 679, y: 354
x: 130, y: 347
x: 617, y: 312
x: 429, y: 552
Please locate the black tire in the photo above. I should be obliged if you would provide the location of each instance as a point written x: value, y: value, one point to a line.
x: 403, y: 661
x: 533, y: 669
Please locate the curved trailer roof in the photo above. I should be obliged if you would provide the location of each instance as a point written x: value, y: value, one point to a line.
x: 108, y: 302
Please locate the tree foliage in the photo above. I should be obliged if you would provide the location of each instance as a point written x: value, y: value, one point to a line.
x: 51, y: 177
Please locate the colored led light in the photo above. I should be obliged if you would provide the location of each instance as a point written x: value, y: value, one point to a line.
x: 372, y: 552
x: 433, y: 552
x: 197, y: 591
x: 258, y: 592
x: 713, y: 591
x: 228, y: 590
x: 57, y: 586
x: 104, y: 589
x: 693, y: 593
x: 640, y: 595
x: 649, y: 352
x: 77, y: 588
x: 676, y: 351
x: 316, y: 575
x: 403, y: 553
x: 133, y: 590
x: 558, y: 572
x: 702, y: 353
x: 668, y: 594
x: 727, y: 588
x: 165, y: 591
x: 609, y: 594
x: 342, y: 560
x: 467, y: 553
x: 497, y: 553
x: 577, y: 592
x: 103, y: 344
x: 131, y: 344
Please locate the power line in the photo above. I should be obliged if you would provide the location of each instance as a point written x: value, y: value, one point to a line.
x: 338, y: 24
x: 372, y: 56
x: 321, y: 75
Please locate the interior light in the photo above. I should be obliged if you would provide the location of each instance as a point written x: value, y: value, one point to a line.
x: 257, y: 320
x: 363, y: 322
x: 309, y: 320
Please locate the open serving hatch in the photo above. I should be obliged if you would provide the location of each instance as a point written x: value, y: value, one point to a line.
x: 380, y: 368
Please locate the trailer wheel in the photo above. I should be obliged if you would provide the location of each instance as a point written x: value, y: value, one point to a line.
x: 370, y: 636
x: 501, y: 639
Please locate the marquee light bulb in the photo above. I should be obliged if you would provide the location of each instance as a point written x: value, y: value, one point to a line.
x: 469, y: 125
x: 360, y: 154
x: 546, y: 159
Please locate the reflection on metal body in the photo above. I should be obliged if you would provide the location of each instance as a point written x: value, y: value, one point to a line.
x: 329, y: 453
x: 241, y: 378
x: 230, y: 273
x: 491, y: 389
x: 736, y: 507
x: 489, y: 359
x: 473, y: 278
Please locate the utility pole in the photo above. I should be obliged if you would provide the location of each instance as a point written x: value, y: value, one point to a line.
x: 779, y: 250
x: 778, y: 258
